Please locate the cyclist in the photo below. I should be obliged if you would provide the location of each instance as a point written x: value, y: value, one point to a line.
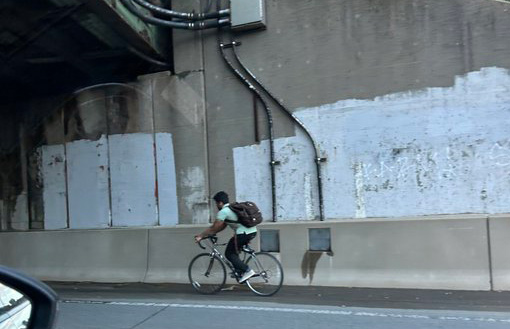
x: 243, y: 235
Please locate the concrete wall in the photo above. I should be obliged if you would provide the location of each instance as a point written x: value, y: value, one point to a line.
x: 436, y: 253
x: 500, y: 244
x: 112, y: 156
x: 407, y: 100
x: 434, y: 151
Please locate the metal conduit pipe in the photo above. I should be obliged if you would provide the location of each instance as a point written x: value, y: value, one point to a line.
x: 200, y: 25
x: 252, y: 88
x: 185, y: 16
x: 318, y: 159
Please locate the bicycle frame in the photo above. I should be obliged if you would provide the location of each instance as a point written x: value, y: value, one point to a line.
x: 215, y: 252
x: 266, y: 273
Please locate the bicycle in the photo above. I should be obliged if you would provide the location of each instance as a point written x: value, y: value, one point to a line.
x: 207, y: 272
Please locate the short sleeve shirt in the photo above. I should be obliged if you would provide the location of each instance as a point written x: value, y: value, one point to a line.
x: 228, y: 216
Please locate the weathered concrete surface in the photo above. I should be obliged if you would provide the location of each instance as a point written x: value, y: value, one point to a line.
x: 450, y: 254
x: 88, y: 183
x: 54, y: 186
x: 170, y: 251
x: 437, y: 253
x: 98, y: 255
x: 432, y: 151
x: 313, y: 53
x: 319, y: 52
x: 179, y: 109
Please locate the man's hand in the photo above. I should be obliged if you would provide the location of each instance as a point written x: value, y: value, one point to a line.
x: 198, y: 238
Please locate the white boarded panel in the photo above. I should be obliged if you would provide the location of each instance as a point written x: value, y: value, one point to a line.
x: 133, y: 181
x: 87, y: 172
x: 167, y: 186
x: 54, y: 193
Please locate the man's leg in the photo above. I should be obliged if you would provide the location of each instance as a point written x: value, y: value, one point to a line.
x: 244, y: 239
x: 233, y: 255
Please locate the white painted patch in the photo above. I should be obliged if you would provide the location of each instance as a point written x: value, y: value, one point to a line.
x: 252, y: 173
x: 87, y: 172
x: 321, y: 311
x: 133, y: 180
x: 193, y: 182
x: 167, y: 184
x: 432, y: 151
x: 360, y: 194
x: 54, y: 191
x: 308, y: 194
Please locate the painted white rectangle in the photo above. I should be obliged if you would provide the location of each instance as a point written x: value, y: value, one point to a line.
x: 133, y: 180
x: 167, y: 184
x: 54, y: 193
x: 293, y: 178
x: 424, y: 152
x: 87, y: 172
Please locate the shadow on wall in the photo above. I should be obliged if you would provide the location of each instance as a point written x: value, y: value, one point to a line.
x: 309, y: 263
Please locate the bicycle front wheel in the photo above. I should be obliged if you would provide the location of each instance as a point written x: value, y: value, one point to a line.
x: 269, y: 274
x: 207, y: 273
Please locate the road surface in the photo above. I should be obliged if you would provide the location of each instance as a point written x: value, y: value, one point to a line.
x: 139, y: 306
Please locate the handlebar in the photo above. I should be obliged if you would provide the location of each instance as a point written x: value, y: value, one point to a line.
x: 212, y: 238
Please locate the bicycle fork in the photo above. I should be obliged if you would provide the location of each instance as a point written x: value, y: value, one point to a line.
x: 207, y: 272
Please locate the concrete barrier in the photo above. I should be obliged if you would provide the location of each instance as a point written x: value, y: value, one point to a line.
x: 448, y: 252
x: 435, y: 253
x: 500, y: 247
x: 114, y: 255
x: 170, y: 251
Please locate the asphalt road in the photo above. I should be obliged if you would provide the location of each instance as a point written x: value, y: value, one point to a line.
x: 143, y: 306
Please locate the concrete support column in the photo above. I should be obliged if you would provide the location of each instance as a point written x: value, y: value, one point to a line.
x: 180, y: 109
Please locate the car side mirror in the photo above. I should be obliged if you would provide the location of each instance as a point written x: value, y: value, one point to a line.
x: 25, y: 302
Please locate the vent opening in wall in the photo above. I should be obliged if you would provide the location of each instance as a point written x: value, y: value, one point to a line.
x: 319, y: 239
x: 270, y: 240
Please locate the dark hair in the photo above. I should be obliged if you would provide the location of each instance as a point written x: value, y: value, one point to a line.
x: 221, y: 197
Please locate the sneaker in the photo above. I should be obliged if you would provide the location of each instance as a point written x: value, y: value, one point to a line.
x: 247, y: 275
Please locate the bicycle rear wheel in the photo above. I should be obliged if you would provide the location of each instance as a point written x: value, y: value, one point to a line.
x: 207, y: 273
x: 269, y: 277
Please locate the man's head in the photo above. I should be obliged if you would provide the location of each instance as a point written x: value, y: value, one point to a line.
x: 221, y: 199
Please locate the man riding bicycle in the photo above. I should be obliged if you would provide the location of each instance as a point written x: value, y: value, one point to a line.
x: 243, y: 235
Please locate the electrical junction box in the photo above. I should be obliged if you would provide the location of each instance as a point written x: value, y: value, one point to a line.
x: 247, y: 14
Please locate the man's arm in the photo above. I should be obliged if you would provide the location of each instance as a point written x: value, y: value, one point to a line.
x: 216, y: 227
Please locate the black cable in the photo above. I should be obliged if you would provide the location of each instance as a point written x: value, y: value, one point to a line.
x: 252, y: 88
x: 318, y: 158
x: 147, y: 57
x: 186, y: 16
x: 201, y: 25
